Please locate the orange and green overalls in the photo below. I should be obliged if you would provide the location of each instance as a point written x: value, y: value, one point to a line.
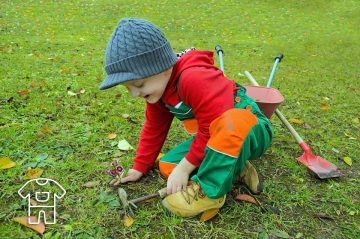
x: 239, y: 134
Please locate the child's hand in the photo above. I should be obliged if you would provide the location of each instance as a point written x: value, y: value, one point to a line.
x: 179, y: 177
x: 177, y: 180
x: 131, y: 176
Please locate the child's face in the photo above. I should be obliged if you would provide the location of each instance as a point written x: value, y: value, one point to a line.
x: 150, y: 88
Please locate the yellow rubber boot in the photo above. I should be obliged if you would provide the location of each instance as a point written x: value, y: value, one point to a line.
x: 191, y: 202
x: 250, y: 178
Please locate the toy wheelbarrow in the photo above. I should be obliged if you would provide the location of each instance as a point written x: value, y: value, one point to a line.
x: 268, y: 100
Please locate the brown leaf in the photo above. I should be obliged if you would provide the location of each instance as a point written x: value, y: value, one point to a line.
x: 33, y: 84
x: 40, y: 228
x: 118, y: 95
x: 91, y: 184
x: 33, y: 173
x: 207, y: 215
x: 246, y: 198
x: 325, y: 108
x: 33, y: 202
x: 323, y: 216
x: 23, y: 92
x: 64, y: 71
x: 323, y: 102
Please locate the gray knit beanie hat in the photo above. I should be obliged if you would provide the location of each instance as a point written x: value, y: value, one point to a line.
x: 137, y: 49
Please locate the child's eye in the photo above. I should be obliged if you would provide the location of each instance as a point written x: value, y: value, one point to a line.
x: 139, y: 85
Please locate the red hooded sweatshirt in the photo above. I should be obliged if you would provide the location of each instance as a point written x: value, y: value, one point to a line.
x: 202, y: 87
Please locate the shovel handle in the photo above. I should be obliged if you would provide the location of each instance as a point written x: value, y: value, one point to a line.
x: 293, y: 132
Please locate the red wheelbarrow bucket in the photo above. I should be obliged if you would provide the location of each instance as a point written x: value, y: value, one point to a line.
x: 268, y: 99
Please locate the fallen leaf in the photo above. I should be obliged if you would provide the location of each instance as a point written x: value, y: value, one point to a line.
x: 356, y: 120
x: 6, y: 162
x: 118, y: 154
x: 296, y: 121
x: 348, y: 161
x: 307, y: 126
x: 325, y: 108
x: 91, y: 184
x: 281, y: 234
x: 323, y: 102
x: 322, y: 216
x: 82, y: 91
x: 64, y: 71
x: 33, y: 202
x: 246, y: 198
x: 40, y: 228
x: 207, y: 215
x: 33, y: 84
x: 159, y: 157
x: 71, y: 93
x: 125, y: 116
x: 298, y: 235
x: 124, y: 145
x: 43, y: 156
x: 23, y: 92
x: 128, y: 221
x: 263, y: 235
x: 118, y: 95
x: 33, y: 173
x: 46, y: 130
x: 335, y: 150
x: 112, y: 136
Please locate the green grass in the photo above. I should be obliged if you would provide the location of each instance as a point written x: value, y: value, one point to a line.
x: 62, y: 44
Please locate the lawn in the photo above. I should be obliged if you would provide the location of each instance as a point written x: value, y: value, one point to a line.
x: 53, y: 117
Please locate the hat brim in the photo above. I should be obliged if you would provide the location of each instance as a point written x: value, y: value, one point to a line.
x: 117, y: 78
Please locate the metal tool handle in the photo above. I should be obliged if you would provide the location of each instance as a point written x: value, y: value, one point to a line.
x: 278, y: 58
x: 293, y: 132
x: 220, y: 52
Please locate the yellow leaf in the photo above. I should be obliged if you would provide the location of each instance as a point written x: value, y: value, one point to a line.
x: 6, y: 162
x: 356, y: 120
x: 207, y: 215
x: 64, y: 71
x: 112, y: 136
x: 348, y: 161
x: 128, y: 221
x: 323, y: 102
x: 296, y: 121
x: 159, y: 157
x: 46, y: 130
x: 40, y: 228
x: 325, y: 107
x: 33, y: 173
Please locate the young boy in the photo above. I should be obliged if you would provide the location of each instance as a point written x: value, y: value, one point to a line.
x: 228, y: 126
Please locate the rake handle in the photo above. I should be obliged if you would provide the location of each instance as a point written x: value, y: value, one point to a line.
x: 161, y: 193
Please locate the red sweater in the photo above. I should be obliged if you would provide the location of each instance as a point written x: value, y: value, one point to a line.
x: 202, y: 87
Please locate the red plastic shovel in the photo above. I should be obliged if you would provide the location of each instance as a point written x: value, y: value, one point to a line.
x: 318, y: 166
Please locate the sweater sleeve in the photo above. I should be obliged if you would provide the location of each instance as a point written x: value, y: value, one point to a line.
x: 153, y: 134
x: 209, y: 93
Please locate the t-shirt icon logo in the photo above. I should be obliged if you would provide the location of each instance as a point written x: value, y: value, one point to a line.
x: 42, y: 192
